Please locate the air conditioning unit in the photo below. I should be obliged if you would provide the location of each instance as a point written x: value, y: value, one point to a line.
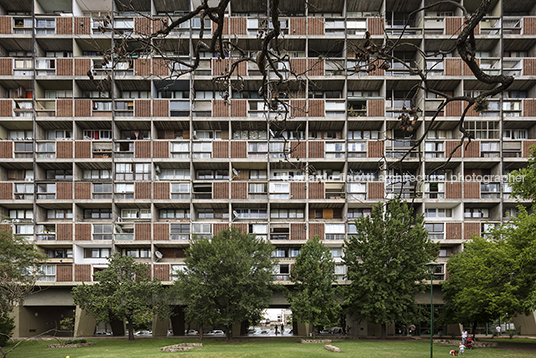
x: 194, y: 135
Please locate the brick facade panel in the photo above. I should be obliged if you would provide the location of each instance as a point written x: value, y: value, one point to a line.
x: 82, y: 108
x: 298, y: 231
x: 297, y: 26
x: 529, y: 25
x: 467, y: 71
x: 239, y: 108
x: 82, y: 191
x: 161, y: 272
x: 161, y: 231
x: 216, y: 228
x: 82, y: 273
x: 376, y: 190
x: 239, y: 190
x: 82, y: 66
x: 142, y: 190
x: 161, y: 190
x: 64, y: 25
x: 375, y: 149
x: 529, y: 108
x: 316, y: 108
x: 82, y: 232
x: 6, y: 107
x: 238, y: 26
x: 64, y: 232
x: 142, y: 149
x: 6, y: 149
x: 82, y: 26
x: 298, y: 190
x: 453, y: 109
x: 298, y: 108
x: 142, y: 25
x: 64, y: 66
x: 6, y: 24
x: 453, y: 190
x: 527, y: 147
x: 469, y: 229
x: 315, y: 26
x: 298, y: 150
x: 142, y: 67
x: 529, y: 66
x: 64, y: 107
x: 64, y: 149
x: 160, y: 108
x: 6, y: 191
x: 220, y: 190
x: 142, y: 108
x: 160, y: 67
x: 64, y: 273
x: 239, y: 149
x: 453, y: 67
x: 471, y: 190
x: 315, y: 67
x: 375, y: 25
x: 82, y: 149
x: 449, y: 147
x: 316, y: 149
x: 472, y: 149
x: 220, y: 149
x: 220, y: 108
x: 453, y: 231
x: 316, y: 190
x: 64, y: 191
x: 316, y: 229
x: 6, y: 66
x: 453, y: 25
x: 376, y: 108
x: 161, y: 149
x: 298, y: 66
x: 142, y: 231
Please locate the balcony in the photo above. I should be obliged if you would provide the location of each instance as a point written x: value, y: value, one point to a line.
x: 45, y: 108
x: 124, y: 237
x: 23, y: 108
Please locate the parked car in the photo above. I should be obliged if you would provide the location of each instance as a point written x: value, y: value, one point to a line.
x: 191, y: 332
x: 143, y: 333
x: 326, y: 331
x: 215, y: 332
x: 102, y: 333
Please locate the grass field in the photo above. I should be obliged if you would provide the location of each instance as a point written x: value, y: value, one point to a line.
x: 264, y: 347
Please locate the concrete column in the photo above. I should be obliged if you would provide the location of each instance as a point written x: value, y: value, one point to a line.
x: 455, y: 329
x: 527, y: 323
x: 22, y: 318
x: 178, y: 321
x: 160, y: 327
x: 304, y: 329
x: 84, y: 324
x: 236, y: 329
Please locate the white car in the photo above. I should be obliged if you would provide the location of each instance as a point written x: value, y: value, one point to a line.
x: 191, y: 332
x: 215, y: 332
x: 143, y: 333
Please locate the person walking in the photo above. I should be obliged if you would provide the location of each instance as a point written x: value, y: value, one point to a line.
x: 464, y: 336
x: 498, y: 329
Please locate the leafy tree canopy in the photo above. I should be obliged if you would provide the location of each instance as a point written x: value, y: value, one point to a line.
x: 124, y: 290
x: 523, y: 181
x: 386, y: 264
x: 227, y: 279
x: 313, y: 297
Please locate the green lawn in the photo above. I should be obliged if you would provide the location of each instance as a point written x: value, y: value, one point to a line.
x: 267, y: 347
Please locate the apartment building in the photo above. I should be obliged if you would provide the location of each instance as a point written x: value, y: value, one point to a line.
x: 139, y: 166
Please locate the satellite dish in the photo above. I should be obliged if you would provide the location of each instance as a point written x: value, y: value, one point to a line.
x: 235, y: 214
x: 158, y: 255
x: 236, y: 172
x: 272, y: 133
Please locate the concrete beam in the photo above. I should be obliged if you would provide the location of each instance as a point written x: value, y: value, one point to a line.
x: 84, y: 324
x: 527, y: 323
x: 160, y: 327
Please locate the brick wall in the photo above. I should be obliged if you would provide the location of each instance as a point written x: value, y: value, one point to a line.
x: 374, y: 149
x: 161, y: 149
x: 64, y: 25
x: 142, y: 67
x: 472, y: 150
x: 467, y: 71
x: 142, y: 231
x: 297, y: 190
x: 64, y: 149
x: 161, y: 190
x: 6, y: 149
x: 316, y: 190
x: 471, y: 190
x: 298, y: 108
x: 375, y: 25
x: 219, y: 67
x: 315, y: 67
x: 142, y: 190
x: 315, y: 26
x: 453, y: 190
x: 6, y: 66
x: 82, y: 108
x: 160, y: 108
x: 82, y: 26
x: 64, y: 273
x: 220, y: 190
x: 529, y: 108
x: 82, y: 149
x: 64, y: 107
x: 6, y: 24
x: 298, y: 149
x: 142, y: 149
x: 161, y: 272
x: 142, y: 25
x: 449, y: 147
x: 64, y: 232
x: 453, y: 109
x: 64, y: 191
x: 376, y: 190
x: 239, y: 149
x: 82, y: 232
x: 220, y: 149
x: 239, y: 190
x: 82, y: 273
x: 239, y: 108
x: 161, y: 231
x: 142, y: 108
x: 469, y: 229
x: 316, y: 149
x: 298, y: 231
x: 453, y: 67
x: 529, y: 25
x: 220, y: 108
x: 6, y: 106
x: 453, y: 25
x: 529, y: 66
x: 64, y: 66
x: 82, y: 66
x: 376, y: 107
x: 316, y: 229
x: 82, y: 191
x: 297, y: 26
x: 526, y: 147
x: 238, y: 26
x: 6, y: 191
x: 453, y: 231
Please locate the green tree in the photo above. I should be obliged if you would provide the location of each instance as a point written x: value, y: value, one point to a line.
x: 227, y: 279
x: 386, y: 264
x: 124, y: 290
x: 523, y: 181
x: 19, y: 270
x: 312, y: 299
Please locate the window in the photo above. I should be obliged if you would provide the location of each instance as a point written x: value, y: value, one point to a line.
x: 433, y: 150
x: 102, y: 232
x: 102, y: 191
x: 137, y: 253
x: 63, y: 134
x: 335, y: 150
x: 24, y: 191
x: 59, y: 253
x: 515, y: 134
x: 438, y: 213
x: 257, y: 150
x: 202, y: 150
x: 59, y: 214
x: 357, y: 191
x: 279, y: 190
x: 180, y: 150
x: 129, y: 213
x: 257, y: 174
x: 259, y: 230
x: 434, y: 190
x: 47, y: 273
x: 340, y: 272
x: 23, y: 149
x: 336, y: 252
x: 435, y: 231
x: 354, y: 213
x: 279, y: 253
x: 179, y: 231
x: 97, y: 174
x: 257, y: 191
x: 59, y: 174
x: 281, y: 272
x: 46, y: 191
x: 123, y: 171
x: 357, y: 150
x: 175, y: 174
x: 142, y: 171
x: 293, y: 252
x: 46, y: 150
x: 21, y: 214
x: 363, y: 134
x: 174, y: 214
x: 124, y: 191
x: 98, y: 134
x: 286, y: 214
x: 202, y: 229
x: 20, y: 134
x: 97, y: 213
x: 490, y: 191
x: 476, y: 213
x: 180, y: 191
x: 489, y: 149
x: 175, y: 269
x: 145, y: 214
x: 96, y: 253
x: 250, y: 214
x: 334, y: 231
x: 24, y: 229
